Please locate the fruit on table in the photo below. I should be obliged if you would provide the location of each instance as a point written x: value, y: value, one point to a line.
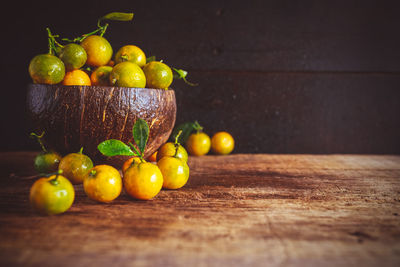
x: 129, y: 162
x: 127, y: 74
x: 98, y: 49
x: 143, y: 181
x: 52, y: 195
x: 222, y: 143
x: 153, y: 157
x: 103, y: 183
x: 76, y: 77
x: 168, y: 149
x: 101, y: 76
x: 47, y: 69
x: 47, y: 162
x: 175, y: 172
x: 132, y: 54
x: 158, y: 75
x: 198, y: 144
x: 75, y: 167
x: 73, y: 56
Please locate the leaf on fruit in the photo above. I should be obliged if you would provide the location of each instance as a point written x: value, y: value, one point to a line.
x: 186, y: 129
x: 140, y: 133
x: 113, y: 147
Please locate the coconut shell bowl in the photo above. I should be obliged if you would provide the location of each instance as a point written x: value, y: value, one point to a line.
x: 84, y: 116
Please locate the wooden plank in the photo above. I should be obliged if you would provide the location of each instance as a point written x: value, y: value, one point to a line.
x: 300, y: 210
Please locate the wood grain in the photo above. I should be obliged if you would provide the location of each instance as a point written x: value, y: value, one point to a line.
x: 257, y: 210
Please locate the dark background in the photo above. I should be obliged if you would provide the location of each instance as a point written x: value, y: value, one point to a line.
x: 280, y: 76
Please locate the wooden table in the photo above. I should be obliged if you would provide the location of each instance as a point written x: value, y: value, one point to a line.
x: 254, y: 210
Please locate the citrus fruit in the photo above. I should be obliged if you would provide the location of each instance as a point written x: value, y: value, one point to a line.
x: 129, y: 162
x: 76, y: 77
x: 52, y: 195
x: 46, y: 69
x: 98, y: 49
x: 75, y: 166
x: 158, y: 75
x: 175, y: 172
x: 131, y: 53
x: 198, y: 144
x: 73, y: 56
x: 143, y: 181
x: 47, y: 162
x: 103, y: 183
x: 127, y: 74
x: 168, y: 149
x: 222, y: 143
x: 153, y: 157
x: 101, y: 76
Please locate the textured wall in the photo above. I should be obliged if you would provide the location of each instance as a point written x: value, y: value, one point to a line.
x: 281, y: 76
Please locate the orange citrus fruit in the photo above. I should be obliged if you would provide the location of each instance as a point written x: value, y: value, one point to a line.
x: 103, y: 183
x: 98, y: 49
x: 129, y: 162
x: 76, y: 77
x: 168, y: 149
x: 153, y: 157
x: 222, y: 143
x: 75, y: 166
x: 143, y: 181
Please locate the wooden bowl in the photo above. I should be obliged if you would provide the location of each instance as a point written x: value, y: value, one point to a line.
x: 84, y: 116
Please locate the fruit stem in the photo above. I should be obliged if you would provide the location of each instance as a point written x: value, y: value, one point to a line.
x: 92, y: 173
x: 39, y: 139
x: 55, y: 181
x: 53, y: 42
x: 197, y: 127
x: 177, y: 143
x: 80, y: 151
x: 140, y: 155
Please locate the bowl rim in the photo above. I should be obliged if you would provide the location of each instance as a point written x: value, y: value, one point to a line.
x: 58, y: 85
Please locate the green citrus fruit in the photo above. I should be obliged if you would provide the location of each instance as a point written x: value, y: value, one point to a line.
x: 98, y: 49
x: 47, y: 162
x: 131, y: 53
x: 52, y: 195
x: 101, y: 76
x: 73, y: 56
x: 158, y: 75
x: 46, y: 69
x: 127, y: 74
x: 75, y: 166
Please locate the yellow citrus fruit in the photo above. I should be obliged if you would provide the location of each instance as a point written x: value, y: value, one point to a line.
x: 52, y: 195
x: 101, y: 76
x: 47, y: 162
x: 127, y: 74
x: 222, y: 143
x: 158, y: 75
x: 47, y: 69
x: 76, y: 77
x: 129, y: 162
x: 103, y: 183
x: 168, y: 149
x: 131, y: 53
x: 75, y: 166
x: 98, y: 49
x: 73, y: 56
x: 198, y: 144
x: 143, y: 181
x: 175, y: 172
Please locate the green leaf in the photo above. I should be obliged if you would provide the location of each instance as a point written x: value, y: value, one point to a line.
x: 119, y: 16
x: 181, y: 74
x: 113, y: 147
x: 140, y: 133
x: 187, y: 128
